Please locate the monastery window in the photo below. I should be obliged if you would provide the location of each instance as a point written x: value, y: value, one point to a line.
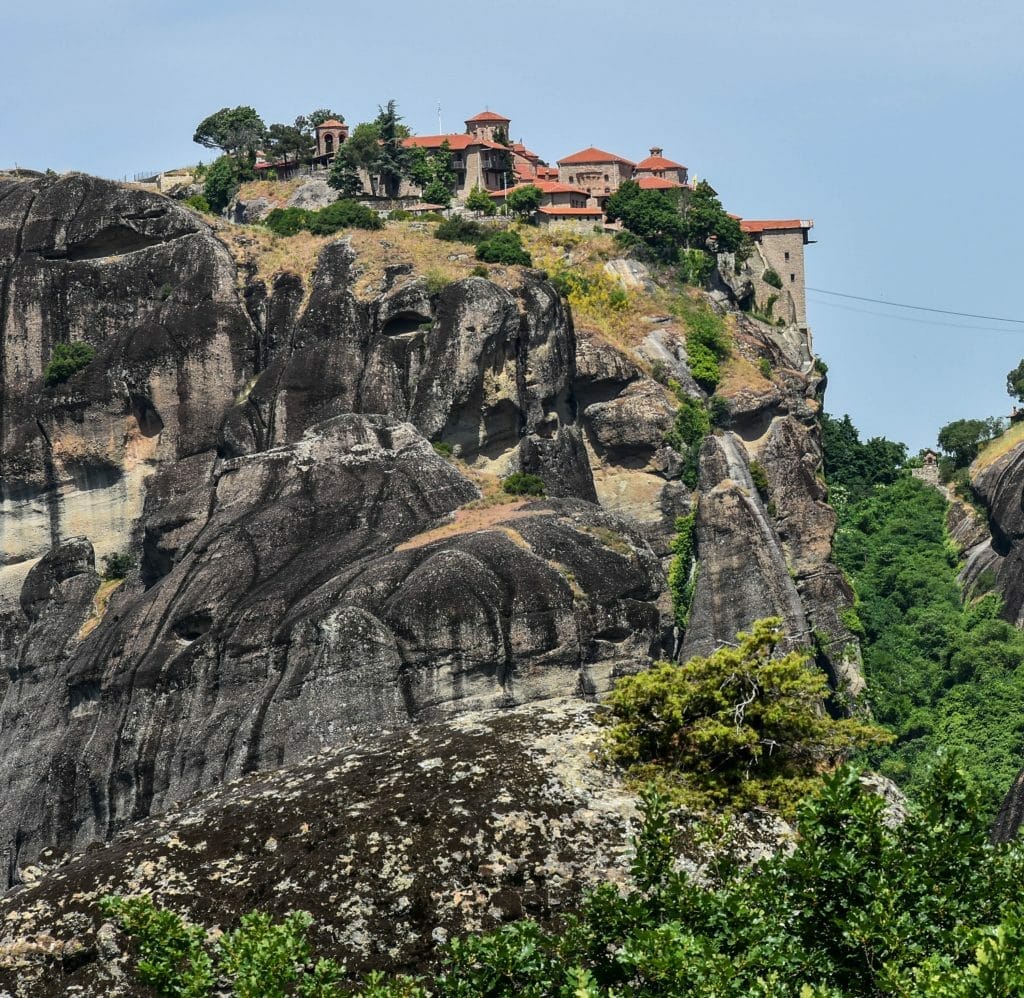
x: 329, y: 143
x: 787, y: 254
x: 606, y: 178
x: 792, y: 278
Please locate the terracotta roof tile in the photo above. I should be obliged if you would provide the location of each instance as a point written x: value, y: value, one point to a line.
x: 593, y: 155
x: 770, y: 225
x: 657, y: 184
x: 488, y: 116
x: 658, y: 163
x: 546, y: 186
x: 331, y: 123
x: 457, y: 142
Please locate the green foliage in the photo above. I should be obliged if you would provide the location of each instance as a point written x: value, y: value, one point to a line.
x: 524, y: 201
x: 342, y: 214
x: 259, y: 959
x: 771, y: 276
x: 66, y: 360
x: 939, y: 673
x: 654, y: 217
x: 682, y: 571
x: 433, y: 173
x: 707, y: 222
x: 172, y: 958
x: 198, y: 202
x: 479, y: 200
x: 521, y: 483
x: 1015, y: 382
x: 461, y: 230
x: 343, y: 175
x: 236, y: 130
x: 760, y: 478
x: 820, y: 366
x: 287, y: 221
x: 286, y: 142
x: 720, y: 412
x: 117, y: 566
x: 764, y: 365
x: 443, y: 448
x: 479, y: 270
x: 854, y: 466
x: 707, y: 344
x: 962, y: 439
x: 741, y: 727
x: 504, y: 247
x: 393, y: 161
x: 696, y: 267
x: 691, y: 424
x: 400, y: 215
x: 221, y: 184
x: 436, y: 282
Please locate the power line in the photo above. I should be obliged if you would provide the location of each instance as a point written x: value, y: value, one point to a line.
x: 918, y: 308
x: 919, y: 322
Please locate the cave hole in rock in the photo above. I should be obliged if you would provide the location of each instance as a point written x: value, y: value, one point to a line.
x: 405, y: 324
x: 114, y: 240
x: 752, y: 426
x: 148, y: 419
x: 193, y: 626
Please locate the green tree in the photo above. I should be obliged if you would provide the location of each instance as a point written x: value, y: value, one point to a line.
x: 1015, y: 382
x: 308, y: 122
x: 284, y: 141
x: 652, y: 216
x: 524, y: 200
x: 705, y: 219
x: 393, y: 160
x: 962, y: 439
x: 504, y: 247
x: 344, y: 174
x: 238, y: 131
x: 221, y: 183
x: 479, y: 200
x: 360, y: 152
x: 741, y: 726
x: 855, y: 466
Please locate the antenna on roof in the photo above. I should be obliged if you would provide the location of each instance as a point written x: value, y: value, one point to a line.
x: 440, y: 130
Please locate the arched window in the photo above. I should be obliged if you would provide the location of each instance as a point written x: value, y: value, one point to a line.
x: 328, y: 143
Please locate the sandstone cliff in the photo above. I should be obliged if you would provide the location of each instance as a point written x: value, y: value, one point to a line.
x: 308, y: 568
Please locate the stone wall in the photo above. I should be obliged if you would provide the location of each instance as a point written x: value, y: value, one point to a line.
x: 782, y: 251
x: 599, y: 180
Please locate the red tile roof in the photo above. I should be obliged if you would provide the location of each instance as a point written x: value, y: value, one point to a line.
x: 658, y: 163
x: 657, y: 184
x: 562, y: 209
x: 458, y: 143
x: 488, y: 116
x: 546, y: 186
x: 547, y: 172
x: 331, y: 123
x: 593, y: 155
x: 772, y: 225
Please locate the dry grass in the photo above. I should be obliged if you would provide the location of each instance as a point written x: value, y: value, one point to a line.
x: 741, y: 375
x: 100, y: 602
x: 469, y: 520
x: 999, y: 447
x: 277, y: 192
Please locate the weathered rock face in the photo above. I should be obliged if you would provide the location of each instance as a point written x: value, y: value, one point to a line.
x: 308, y: 568
x: 1000, y: 486
x: 147, y: 285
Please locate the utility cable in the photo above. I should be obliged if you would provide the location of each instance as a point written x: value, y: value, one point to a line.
x: 918, y: 308
x: 919, y: 322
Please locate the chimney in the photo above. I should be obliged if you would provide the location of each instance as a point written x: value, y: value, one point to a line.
x: 655, y: 150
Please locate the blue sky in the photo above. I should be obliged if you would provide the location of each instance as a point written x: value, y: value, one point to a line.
x: 895, y: 125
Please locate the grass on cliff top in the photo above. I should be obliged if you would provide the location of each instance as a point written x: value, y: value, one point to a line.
x: 277, y: 192
x: 997, y: 448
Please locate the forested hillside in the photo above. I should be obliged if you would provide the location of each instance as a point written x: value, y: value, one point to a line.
x: 942, y: 671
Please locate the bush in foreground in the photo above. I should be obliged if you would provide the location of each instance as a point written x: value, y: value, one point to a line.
x: 504, y: 247
x: 520, y: 483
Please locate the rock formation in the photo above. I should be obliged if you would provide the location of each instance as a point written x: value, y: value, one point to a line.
x: 308, y: 568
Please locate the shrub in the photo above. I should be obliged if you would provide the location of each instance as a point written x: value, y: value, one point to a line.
x: 740, y: 727
x: 479, y: 200
x: 117, y: 566
x: 760, y: 478
x: 436, y: 282
x: 520, y: 483
x: 696, y: 267
x: 443, y: 448
x: 691, y: 424
x: 706, y: 345
x: 66, y: 360
x: 720, y: 412
x: 504, y: 247
x: 460, y: 230
x: 682, y: 570
x: 221, y: 183
x: 343, y: 214
x: 400, y: 215
x: 198, y: 202
x: 771, y: 276
x: 480, y: 271
x: 287, y: 221
x: 820, y: 366
x: 764, y: 365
